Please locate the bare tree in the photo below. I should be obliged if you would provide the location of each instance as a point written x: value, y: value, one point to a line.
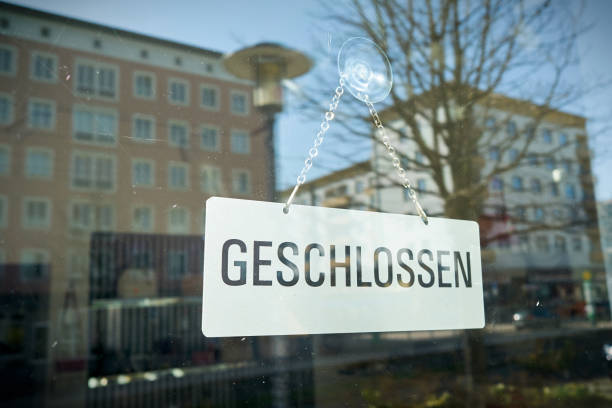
x: 453, y: 61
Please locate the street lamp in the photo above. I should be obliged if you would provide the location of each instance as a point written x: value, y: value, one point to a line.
x: 268, y: 64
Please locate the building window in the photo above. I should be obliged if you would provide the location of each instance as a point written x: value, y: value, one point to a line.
x: 359, y: 186
x: 177, y: 264
x: 98, y: 126
x: 542, y: 244
x: 178, y: 92
x: 554, y: 189
x: 36, y: 213
x: 178, y: 220
x: 142, y: 219
x: 419, y: 158
x: 497, y: 184
x: 570, y: 192
x: 517, y: 183
x: 547, y: 136
x: 239, y: 103
x: 209, y: 97
x: 240, y: 142
x: 241, y: 182
x: 178, y: 134
x: 6, y: 109
x: 5, y: 160
x: 210, y: 180
x: 41, y: 114
x: 421, y: 185
x: 490, y: 123
x: 143, y: 174
x: 93, y: 171
x: 44, y: 67
x: 494, y: 153
x: 210, y: 138
x: 563, y: 139
x: 520, y: 213
x: 3, y: 211
x: 96, y: 79
x: 511, y: 128
x: 8, y: 60
x: 532, y: 159
x: 144, y: 85
x: 178, y: 176
x: 34, y: 264
x: 538, y: 214
x: 566, y: 165
x: 577, y: 244
x: 536, y: 186
x: 39, y: 163
x: 91, y: 217
x: 143, y: 128
x: 513, y: 155
x: 550, y: 163
x: 560, y: 244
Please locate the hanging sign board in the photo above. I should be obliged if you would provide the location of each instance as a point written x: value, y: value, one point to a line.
x: 324, y: 270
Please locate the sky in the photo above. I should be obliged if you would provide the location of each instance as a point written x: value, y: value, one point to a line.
x: 233, y: 24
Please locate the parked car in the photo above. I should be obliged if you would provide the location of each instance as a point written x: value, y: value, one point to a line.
x: 535, y: 317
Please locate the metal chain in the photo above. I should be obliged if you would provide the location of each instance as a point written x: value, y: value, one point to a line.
x: 314, y: 150
x: 401, y: 172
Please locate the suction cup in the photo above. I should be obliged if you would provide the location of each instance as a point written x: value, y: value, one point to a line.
x: 365, y: 69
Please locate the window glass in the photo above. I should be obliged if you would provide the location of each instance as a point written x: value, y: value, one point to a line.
x: 44, y: 67
x: 119, y: 127
x: 41, y: 114
x: 240, y: 142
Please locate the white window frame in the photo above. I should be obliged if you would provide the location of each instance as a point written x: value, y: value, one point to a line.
x: 235, y: 173
x: 187, y: 91
x: 54, y: 74
x: 205, y: 168
x: 15, y: 53
x: 96, y: 85
x: 37, y: 149
x: 93, y: 156
x: 95, y: 135
x: 93, y: 208
x: 218, y: 99
x: 4, y: 216
x: 153, y: 128
x: 185, y: 166
x: 246, y: 102
x: 11, y: 100
x: 8, y: 151
x: 182, y: 123
x: 137, y: 228
x: 151, y: 162
x: 26, y: 223
x: 172, y: 230
x: 153, y: 78
x: 248, y: 141
x: 218, y: 130
x: 51, y: 102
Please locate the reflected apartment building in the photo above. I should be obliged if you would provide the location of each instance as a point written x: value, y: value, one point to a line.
x: 538, y: 224
x: 111, y: 142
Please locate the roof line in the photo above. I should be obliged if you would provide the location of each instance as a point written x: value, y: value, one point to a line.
x: 107, y: 29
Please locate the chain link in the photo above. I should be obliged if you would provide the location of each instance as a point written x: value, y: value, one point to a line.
x: 401, y: 172
x: 314, y: 150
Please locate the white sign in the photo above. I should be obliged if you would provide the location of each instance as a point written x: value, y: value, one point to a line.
x: 325, y: 270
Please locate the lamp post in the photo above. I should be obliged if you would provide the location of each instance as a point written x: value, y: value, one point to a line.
x: 267, y: 64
